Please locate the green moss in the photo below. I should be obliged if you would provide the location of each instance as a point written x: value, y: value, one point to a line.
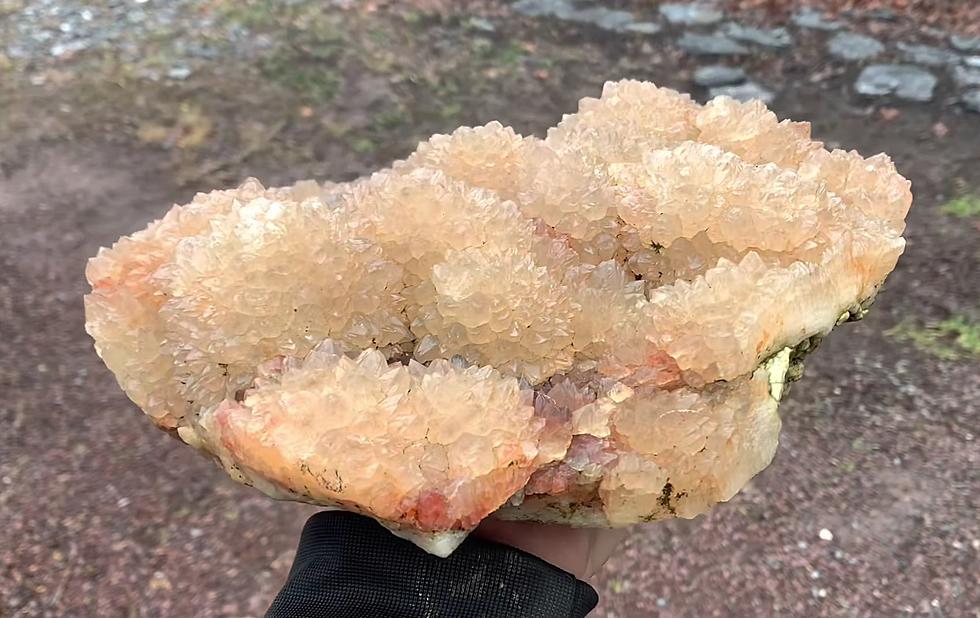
x: 963, y: 206
x: 952, y: 339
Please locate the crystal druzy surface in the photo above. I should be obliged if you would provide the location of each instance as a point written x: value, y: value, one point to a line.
x: 592, y: 328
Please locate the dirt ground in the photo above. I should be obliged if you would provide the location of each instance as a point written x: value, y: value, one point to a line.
x: 869, y: 509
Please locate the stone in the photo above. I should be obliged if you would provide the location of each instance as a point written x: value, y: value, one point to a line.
x: 710, y: 45
x: 777, y: 38
x: 544, y: 8
x: 179, y: 72
x: 481, y: 24
x: 591, y: 328
x: 643, y: 27
x: 882, y: 14
x: 966, y: 76
x: 693, y: 14
x: 718, y: 75
x: 744, y: 92
x: 607, y: 19
x: 965, y: 44
x: 815, y: 20
x: 971, y: 100
x: 972, y: 62
x: 849, y: 46
x: 927, y: 54
x: 902, y: 80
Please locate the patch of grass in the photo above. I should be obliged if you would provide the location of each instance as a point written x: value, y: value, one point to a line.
x: 952, y: 339
x: 364, y: 145
x: 450, y: 110
x: 508, y: 55
x: 390, y: 119
x: 504, y: 55
x: 411, y: 17
x: 310, y: 45
x: 314, y: 81
x: 964, y: 206
x: 251, y: 13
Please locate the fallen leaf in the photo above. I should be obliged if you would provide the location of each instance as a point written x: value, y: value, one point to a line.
x: 194, y: 126
x: 153, y: 133
x: 889, y: 113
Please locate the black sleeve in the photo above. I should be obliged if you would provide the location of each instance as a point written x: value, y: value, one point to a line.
x: 349, y: 566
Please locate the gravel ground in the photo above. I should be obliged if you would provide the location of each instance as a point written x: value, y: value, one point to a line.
x: 868, y: 510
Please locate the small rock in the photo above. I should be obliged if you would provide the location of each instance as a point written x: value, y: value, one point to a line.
x: 544, y: 8
x: 778, y: 38
x: 70, y: 48
x: 607, y: 19
x: 972, y: 61
x: 643, y: 27
x: 815, y: 20
x: 179, y: 73
x: 718, y: 75
x: 849, y: 46
x: 966, y: 77
x: 905, y: 81
x: 965, y: 44
x: 481, y: 24
x: 927, y: 54
x: 825, y: 535
x: 710, y: 45
x: 883, y: 14
x: 744, y: 92
x: 696, y: 14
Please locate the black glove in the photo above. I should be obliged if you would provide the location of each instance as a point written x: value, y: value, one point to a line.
x: 349, y: 566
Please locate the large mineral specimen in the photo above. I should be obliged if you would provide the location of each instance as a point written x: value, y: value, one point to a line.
x: 592, y: 328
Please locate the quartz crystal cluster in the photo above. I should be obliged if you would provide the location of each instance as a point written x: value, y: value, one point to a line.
x: 593, y: 328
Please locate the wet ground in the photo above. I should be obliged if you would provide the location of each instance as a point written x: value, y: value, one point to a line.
x: 869, y: 509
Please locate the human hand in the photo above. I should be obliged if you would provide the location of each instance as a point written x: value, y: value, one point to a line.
x: 580, y: 551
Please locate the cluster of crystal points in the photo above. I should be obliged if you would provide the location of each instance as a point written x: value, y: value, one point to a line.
x: 591, y: 328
